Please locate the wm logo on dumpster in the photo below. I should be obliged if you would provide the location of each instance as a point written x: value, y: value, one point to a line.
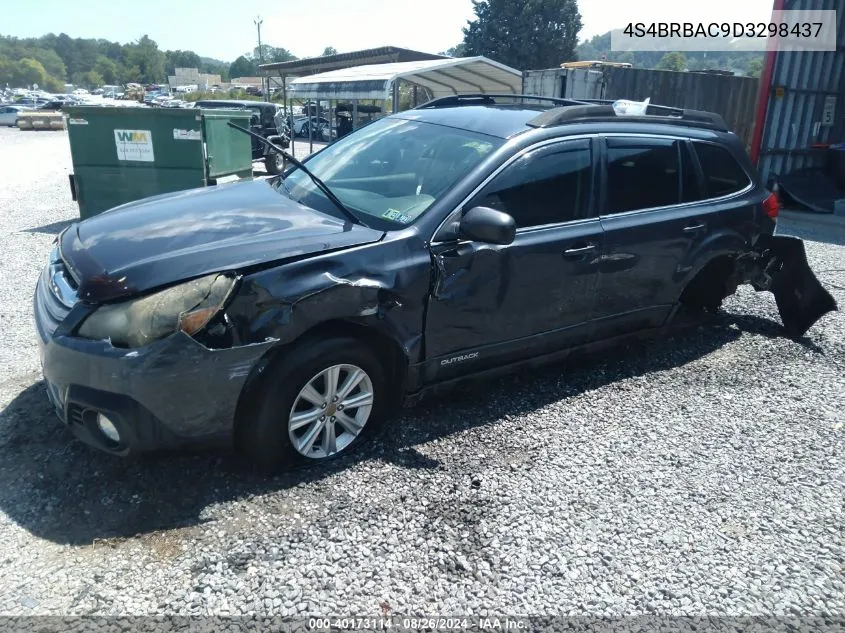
x: 131, y: 136
x: 134, y: 145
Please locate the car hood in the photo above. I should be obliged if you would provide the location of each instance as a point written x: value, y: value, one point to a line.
x: 167, y: 238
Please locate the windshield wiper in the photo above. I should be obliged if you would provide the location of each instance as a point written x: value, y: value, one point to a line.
x: 296, y: 162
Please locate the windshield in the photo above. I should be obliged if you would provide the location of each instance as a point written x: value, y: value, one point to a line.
x: 390, y: 172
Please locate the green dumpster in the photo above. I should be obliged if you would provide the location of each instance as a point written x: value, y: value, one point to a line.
x: 125, y: 154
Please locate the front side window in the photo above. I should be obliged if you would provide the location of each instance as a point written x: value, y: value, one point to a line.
x: 391, y: 171
x: 546, y: 186
x: 642, y: 174
x: 722, y: 173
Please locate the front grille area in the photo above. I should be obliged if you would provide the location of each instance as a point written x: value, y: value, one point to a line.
x: 55, y: 295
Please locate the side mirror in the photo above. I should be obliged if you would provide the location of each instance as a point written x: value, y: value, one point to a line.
x: 483, y: 224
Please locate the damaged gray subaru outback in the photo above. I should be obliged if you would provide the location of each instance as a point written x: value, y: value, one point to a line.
x: 471, y: 235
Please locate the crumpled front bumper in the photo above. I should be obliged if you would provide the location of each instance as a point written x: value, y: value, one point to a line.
x: 171, y: 393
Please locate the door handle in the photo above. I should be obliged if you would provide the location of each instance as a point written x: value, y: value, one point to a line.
x: 574, y: 252
x: 694, y: 228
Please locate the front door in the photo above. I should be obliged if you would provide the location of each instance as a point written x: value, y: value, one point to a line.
x: 494, y: 304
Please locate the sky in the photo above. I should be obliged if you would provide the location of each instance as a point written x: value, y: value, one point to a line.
x: 225, y: 29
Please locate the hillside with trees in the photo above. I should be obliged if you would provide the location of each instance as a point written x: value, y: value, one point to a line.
x: 53, y: 60
x: 598, y: 48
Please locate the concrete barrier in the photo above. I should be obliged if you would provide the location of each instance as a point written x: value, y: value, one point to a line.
x: 41, y: 121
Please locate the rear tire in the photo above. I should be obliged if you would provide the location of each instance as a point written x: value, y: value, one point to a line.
x: 287, y: 415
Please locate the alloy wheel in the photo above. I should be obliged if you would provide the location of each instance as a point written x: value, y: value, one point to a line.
x: 279, y: 160
x: 330, y: 411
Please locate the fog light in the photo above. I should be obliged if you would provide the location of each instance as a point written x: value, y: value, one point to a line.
x: 107, y: 428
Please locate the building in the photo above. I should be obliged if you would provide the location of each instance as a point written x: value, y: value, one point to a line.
x: 246, y: 82
x: 193, y: 77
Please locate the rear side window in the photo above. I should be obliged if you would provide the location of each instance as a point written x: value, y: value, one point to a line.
x: 722, y: 173
x: 642, y: 174
x: 543, y: 187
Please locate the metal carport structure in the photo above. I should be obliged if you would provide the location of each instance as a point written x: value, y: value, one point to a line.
x: 380, y: 82
x: 441, y: 77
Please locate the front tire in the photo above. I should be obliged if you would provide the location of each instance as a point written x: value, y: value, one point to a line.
x: 316, y: 404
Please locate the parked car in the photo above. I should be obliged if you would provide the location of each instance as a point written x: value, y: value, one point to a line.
x: 9, y: 114
x: 466, y: 237
x: 303, y: 125
x: 267, y: 120
x: 54, y: 105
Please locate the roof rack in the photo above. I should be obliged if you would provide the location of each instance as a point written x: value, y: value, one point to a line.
x: 490, y: 99
x: 595, y: 110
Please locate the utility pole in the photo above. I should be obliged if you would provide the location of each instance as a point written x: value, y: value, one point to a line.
x: 258, y: 22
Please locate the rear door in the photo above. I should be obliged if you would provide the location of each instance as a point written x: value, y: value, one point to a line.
x: 650, y: 228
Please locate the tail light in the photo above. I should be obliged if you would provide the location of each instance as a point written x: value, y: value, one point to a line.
x: 772, y: 205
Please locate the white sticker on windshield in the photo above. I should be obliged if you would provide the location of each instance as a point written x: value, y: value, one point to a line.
x: 392, y: 214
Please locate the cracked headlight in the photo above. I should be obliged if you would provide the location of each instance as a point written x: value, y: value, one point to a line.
x: 187, y: 307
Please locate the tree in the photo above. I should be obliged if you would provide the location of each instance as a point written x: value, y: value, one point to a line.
x: 272, y: 54
x: 129, y: 73
x: 107, y: 69
x: 51, y: 84
x: 7, y: 72
x: 148, y: 59
x: 673, y: 61
x: 524, y: 35
x: 754, y: 67
x: 28, y: 71
x: 459, y: 50
x: 89, y: 79
x: 53, y: 64
x: 329, y: 50
x: 243, y: 66
x: 181, y: 59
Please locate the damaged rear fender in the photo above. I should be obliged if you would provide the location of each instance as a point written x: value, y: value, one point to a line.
x: 779, y: 264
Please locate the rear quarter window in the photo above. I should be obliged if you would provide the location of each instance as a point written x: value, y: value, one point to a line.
x: 723, y: 175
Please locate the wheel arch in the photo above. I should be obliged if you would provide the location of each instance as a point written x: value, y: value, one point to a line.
x: 387, y: 350
x: 711, y: 253
x: 711, y: 283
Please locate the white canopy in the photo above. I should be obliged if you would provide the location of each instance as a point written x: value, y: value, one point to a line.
x: 444, y: 77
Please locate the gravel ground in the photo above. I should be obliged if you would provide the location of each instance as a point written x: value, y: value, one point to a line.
x: 701, y: 474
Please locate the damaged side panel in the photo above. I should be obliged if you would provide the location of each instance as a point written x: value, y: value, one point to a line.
x: 385, y: 290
